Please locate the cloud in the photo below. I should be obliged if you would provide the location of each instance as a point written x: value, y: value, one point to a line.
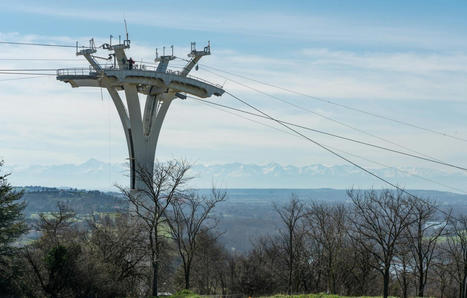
x: 350, y: 75
x: 263, y: 23
x: 46, y: 121
x: 407, y: 62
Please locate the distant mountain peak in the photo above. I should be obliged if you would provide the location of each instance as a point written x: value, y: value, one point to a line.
x: 92, y: 162
x: 95, y: 174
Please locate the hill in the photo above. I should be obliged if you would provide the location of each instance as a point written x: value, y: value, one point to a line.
x: 245, y: 215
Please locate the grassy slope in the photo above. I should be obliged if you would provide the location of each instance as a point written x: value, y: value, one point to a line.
x: 189, y: 294
x: 322, y: 296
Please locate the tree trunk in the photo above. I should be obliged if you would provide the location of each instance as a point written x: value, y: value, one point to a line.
x: 421, y: 283
x: 289, y: 283
x: 155, y: 263
x: 405, y: 285
x: 421, y: 273
x: 461, y: 290
x: 332, y: 277
x: 464, y: 288
x: 386, y: 282
x: 291, y: 260
x: 155, y: 270
x: 464, y: 279
x: 187, y: 278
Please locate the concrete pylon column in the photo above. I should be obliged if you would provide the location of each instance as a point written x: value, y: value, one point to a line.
x: 156, y: 125
x: 141, y: 130
x: 137, y: 141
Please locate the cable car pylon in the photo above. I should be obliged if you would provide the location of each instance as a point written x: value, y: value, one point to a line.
x: 160, y: 86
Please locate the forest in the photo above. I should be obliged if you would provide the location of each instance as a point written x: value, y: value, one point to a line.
x: 382, y: 243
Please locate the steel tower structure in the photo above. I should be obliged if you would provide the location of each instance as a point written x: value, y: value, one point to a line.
x: 159, y: 84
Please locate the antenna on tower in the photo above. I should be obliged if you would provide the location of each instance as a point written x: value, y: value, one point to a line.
x: 92, y: 45
x: 126, y: 29
x: 127, y: 40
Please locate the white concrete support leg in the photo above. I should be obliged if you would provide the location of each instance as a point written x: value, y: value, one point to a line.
x: 138, y: 143
x: 141, y: 131
x: 156, y: 123
x: 150, y: 109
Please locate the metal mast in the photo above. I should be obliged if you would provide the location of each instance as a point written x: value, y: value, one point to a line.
x: 160, y: 86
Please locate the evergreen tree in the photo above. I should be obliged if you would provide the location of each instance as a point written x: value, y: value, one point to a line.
x: 12, y: 226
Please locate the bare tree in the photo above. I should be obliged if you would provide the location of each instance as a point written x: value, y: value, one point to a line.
x: 457, y: 249
x: 404, y: 264
x: 190, y: 214
x: 291, y: 216
x: 379, y: 221
x: 150, y: 204
x: 328, y: 227
x: 424, y: 234
x: 66, y: 261
x: 58, y: 224
x: 442, y: 277
x: 260, y: 271
x: 361, y: 268
x: 115, y: 246
x: 211, y: 265
x: 53, y: 258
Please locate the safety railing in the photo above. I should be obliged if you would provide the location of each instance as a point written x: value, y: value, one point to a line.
x: 136, y: 66
x: 141, y: 67
x: 75, y: 71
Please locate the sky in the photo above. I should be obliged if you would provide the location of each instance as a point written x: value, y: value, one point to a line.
x: 406, y: 60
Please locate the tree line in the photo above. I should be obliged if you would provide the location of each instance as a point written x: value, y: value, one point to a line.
x: 379, y: 243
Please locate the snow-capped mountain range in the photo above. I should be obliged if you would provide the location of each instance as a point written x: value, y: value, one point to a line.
x: 94, y: 174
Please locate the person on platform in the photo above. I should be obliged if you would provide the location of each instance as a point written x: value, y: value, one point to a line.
x: 131, y: 62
